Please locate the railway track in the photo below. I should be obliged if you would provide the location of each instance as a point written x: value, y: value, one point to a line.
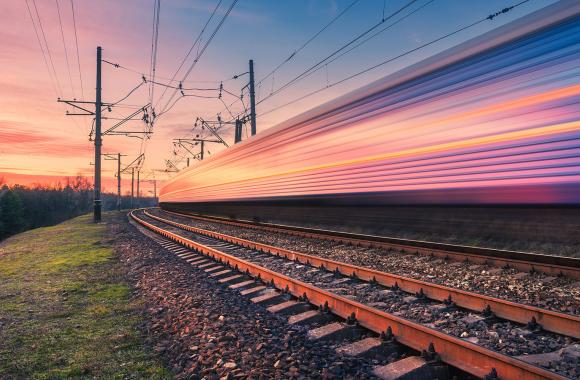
x: 559, y: 294
x: 551, y: 321
x: 358, y: 293
x: 523, y: 261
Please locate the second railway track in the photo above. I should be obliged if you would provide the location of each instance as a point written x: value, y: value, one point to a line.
x: 523, y: 261
x: 559, y: 294
x: 435, y: 314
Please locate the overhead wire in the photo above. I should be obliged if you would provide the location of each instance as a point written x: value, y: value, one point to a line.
x: 148, y: 127
x: 205, y: 46
x: 337, y: 51
x: 119, y: 66
x: 129, y: 94
x: 381, y: 31
x: 48, y: 67
x: 447, y: 35
x: 77, y: 48
x: 362, y: 42
x: 65, y: 49
x: 154, y: 44
x: 307, y: 42
x: 85, y: 123
x: 42, y: 49
x: 166, y: 108
x: 47, y: 48
x: 191, y: 49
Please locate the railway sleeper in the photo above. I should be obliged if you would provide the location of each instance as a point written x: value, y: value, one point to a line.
x: 409, y: 368
x: 412, y: 368
x: 325, y: 326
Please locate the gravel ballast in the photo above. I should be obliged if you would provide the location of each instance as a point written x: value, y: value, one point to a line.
x: 553, y: 293
x: 501, y: 336
x: 202, y: 329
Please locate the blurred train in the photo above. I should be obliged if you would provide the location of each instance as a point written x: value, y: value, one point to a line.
x: 492, y: 121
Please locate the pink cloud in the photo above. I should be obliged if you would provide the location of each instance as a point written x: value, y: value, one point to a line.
x: 19, y: 138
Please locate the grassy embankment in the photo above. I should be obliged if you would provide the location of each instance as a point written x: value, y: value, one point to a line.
x: 66, y: 310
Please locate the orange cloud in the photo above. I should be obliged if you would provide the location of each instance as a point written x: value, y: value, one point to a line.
x: 19, y: 138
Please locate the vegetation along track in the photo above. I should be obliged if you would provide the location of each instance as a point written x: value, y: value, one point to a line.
x: 414, y: 320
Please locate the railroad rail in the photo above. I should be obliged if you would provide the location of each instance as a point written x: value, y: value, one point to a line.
x: 522, y: 261
x: 560, y: 323
x: 458, y: 353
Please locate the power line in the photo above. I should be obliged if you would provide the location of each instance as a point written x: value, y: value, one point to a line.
x: 47, y: 47
x: 141, y: 73
x: 191, y: 49
x: 77, y: 48
x: 129, y: 94
x: 54, y: 87
x: 365, y: 41
x: 65, y: 49
x: 307, y: 42
x: 487, y: 18
x: 50, y: 74
x: 321, y: 62
x: 154, y: 43
x: 148, y: 127
x: 41, y: 49
x: 200, y: 53
x: 85, y: 126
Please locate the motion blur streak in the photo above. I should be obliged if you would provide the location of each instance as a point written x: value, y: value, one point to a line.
x: 493, y: 120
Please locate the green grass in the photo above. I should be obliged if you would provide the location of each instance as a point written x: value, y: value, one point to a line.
x: 65, y: 309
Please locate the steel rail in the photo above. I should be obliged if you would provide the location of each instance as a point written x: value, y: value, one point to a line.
x: 560, y: 323
x: 464, y: 355
x: 522, y: 261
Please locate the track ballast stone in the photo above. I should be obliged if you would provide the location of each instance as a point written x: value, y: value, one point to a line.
x: 204, y: 330
x: 559, y: 294
x: 502, y: 336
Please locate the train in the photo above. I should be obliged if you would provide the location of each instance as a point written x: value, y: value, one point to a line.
x: 494, y: 122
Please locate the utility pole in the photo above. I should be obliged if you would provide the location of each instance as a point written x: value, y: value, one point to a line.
x: 138, y: 193
x: 252, y: 99
x: 118, y: 158
x: 98, y: 143
x: 132, y: 185
x: 118, y: 181
x: 238, y: 131
x: 202, y: 149
x: 135, y: 163
x: 98, y: 103
x: 187, y: 161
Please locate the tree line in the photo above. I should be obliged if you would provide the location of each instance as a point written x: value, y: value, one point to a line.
x: 23, y: 208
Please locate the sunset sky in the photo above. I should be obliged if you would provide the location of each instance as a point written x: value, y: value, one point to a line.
x: 39, y: 143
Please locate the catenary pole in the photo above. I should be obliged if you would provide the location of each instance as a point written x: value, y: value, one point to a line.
x: 118, y: 181
x: 138, y: 191
x: 252, y: 99
x: 98, y: 142
x: 132, y: 185
x: 238, y: 131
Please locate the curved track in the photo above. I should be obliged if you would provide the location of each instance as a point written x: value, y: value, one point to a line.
x: 522, y: 261
x: 459, y: 353
x: 551, y: 321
